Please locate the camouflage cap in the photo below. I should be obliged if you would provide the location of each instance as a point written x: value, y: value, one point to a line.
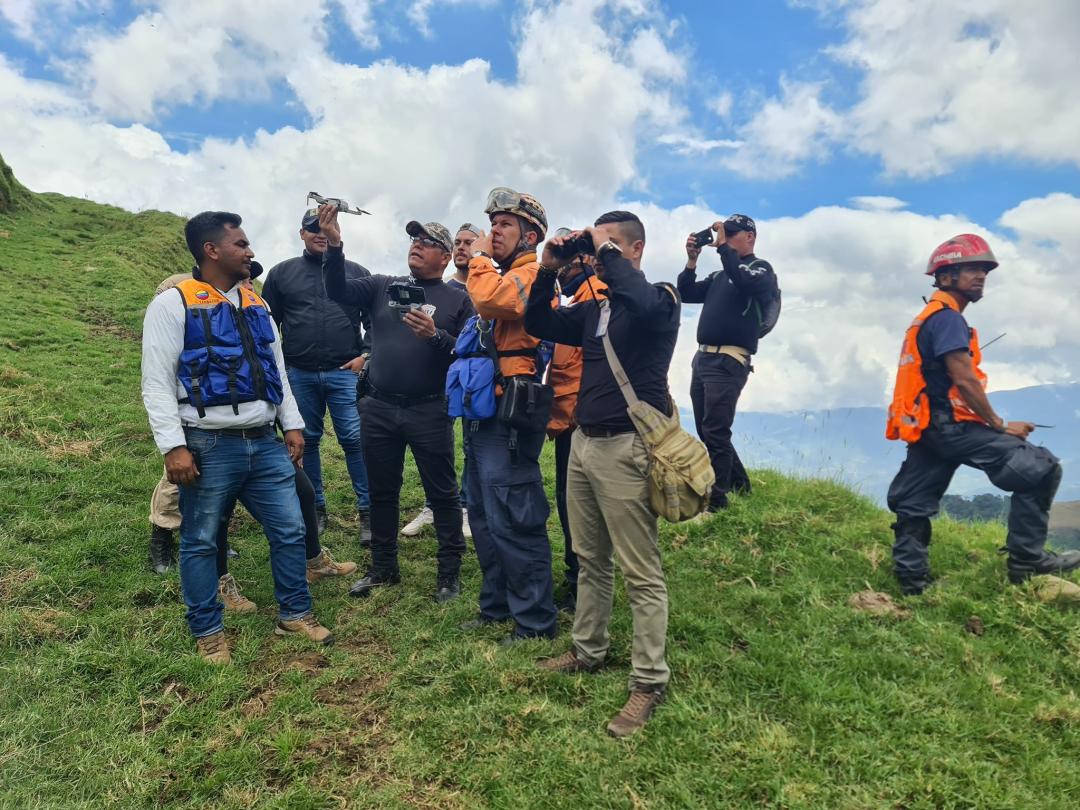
x: 474, y: 229
x: 432, y: 230
x: 311, y: 215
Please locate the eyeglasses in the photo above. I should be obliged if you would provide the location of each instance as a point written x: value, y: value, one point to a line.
x: 424, y: 241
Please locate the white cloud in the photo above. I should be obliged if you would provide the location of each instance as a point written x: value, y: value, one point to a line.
x: 683, y: 144
x: 721, y: 104
x: 420, y: 10
x: 359, y: 16
x: 946, y: 81
x: 878, y: 203
x: 33, y: 20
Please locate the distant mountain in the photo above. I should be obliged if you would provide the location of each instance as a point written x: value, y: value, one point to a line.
x: 849, y: 445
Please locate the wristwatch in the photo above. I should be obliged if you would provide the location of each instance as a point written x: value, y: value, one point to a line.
x: 606, y: 248
x: 478, y: 253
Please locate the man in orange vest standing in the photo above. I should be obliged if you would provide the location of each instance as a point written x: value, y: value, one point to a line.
x: 940, y: 409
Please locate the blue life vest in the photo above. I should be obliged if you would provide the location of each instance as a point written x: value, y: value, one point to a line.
x: 228, y: 355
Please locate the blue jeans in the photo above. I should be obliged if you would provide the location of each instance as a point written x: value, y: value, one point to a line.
x: 258, y: 473
x: 315, y: 392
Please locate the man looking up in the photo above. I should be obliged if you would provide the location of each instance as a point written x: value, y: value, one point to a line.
x: 463, y: 242
x: 214, y: 383
x: 324, y: 348
x: 941, y: 410
x: 727, y: 337
x: 405, y: 403
x: 508, y: 508
x: 607, y: 489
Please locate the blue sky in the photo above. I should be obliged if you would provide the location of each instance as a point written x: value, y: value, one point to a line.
x: 859, y: 132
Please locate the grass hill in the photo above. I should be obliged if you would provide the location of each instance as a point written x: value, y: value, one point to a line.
x: 782, y: 694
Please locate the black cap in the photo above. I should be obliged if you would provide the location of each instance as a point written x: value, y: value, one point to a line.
x: 739, y: 222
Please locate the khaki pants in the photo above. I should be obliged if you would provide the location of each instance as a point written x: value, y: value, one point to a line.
x: 165, y: 505
x: 608, y: 502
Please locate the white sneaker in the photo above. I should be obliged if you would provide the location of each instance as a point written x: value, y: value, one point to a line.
x: 417, y: 524
x: 465, y: 530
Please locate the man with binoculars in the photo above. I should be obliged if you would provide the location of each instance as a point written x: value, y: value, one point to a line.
x: 414, y: 323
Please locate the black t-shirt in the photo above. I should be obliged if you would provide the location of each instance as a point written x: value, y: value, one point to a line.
x: 643, y: 326
x: 943, y: 332
x: 728, y: 317
x: 401, y: 363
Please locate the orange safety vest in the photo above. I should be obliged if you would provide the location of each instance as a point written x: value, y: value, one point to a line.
x: 503, y: 298
x: 564, y: 374
x: 909, y: 413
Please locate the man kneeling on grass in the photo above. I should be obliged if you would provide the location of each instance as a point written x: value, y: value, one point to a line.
x: 213, y: 382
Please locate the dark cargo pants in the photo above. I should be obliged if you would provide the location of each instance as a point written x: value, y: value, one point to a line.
x: 1031, y: 473
x: 508, y: 512
x: 717, y: 382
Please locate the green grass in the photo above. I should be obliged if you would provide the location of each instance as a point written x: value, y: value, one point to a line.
x: 781, y: 695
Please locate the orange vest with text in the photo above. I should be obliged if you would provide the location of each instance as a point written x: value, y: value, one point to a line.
x: 564, y: 374
x: 909, y: 413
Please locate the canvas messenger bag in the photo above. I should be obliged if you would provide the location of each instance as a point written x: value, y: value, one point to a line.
x: 680, y: 473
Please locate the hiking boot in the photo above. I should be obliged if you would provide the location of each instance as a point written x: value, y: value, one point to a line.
x: 449, y: 588
x: 363, y: 587
x: 1020, y: 571
x: 915, y: 587
x: 230, y: 595
x: 637, y: 711
x: 231, y: 553
x: 567, y: 663
x: 417, y: 524
x: 479, y: 623
x: 465, y: 528
x: 324, y: 566
x: 214, y: 648
x: 320, y: 517
x: 161, y: 550
x: 364, y: 516
x: 305, y: 626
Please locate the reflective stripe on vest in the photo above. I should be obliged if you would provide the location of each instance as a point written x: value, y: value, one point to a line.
x: 909, y: 413
x: 228, y: 355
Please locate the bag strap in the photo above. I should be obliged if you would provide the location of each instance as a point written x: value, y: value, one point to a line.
x: 617, y: 370
x: 491, y: 349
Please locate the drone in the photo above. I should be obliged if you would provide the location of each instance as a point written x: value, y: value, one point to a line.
x: 342, y: 205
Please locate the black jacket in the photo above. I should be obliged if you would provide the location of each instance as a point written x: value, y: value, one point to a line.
x: 401, y: 364
x: 318, y: 333
x: 643, y: 326
x: 727, y: 319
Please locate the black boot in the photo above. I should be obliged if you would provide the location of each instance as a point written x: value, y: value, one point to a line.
x: 449, y: 588
x: 1022, y: 570
x: 161, y: 550
x: 365, y: 527
x: 364, y: 587
x: 320, y: 517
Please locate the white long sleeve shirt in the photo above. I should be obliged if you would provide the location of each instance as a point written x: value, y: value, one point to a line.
x: 162, y: 343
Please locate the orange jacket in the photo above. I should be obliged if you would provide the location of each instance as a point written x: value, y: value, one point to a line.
x: 564, y: 374
x: 503, y: 297
x: 909, y: 413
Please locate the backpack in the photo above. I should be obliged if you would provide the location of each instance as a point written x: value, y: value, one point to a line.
x: 470, y: 381
x: 680, y: 472
x: 767, y: 304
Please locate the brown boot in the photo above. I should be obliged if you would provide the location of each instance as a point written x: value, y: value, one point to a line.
x: 306, y: 626
x: 568, y: 663
x: 214, y: 648
x: 326, y: 566
x: 636, y: 713
x: 234, y: 601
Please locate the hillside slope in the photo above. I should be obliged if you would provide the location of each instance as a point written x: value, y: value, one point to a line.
x: 782, y: 695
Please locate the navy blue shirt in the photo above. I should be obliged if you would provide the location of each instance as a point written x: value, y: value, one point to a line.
x: 945, y: 331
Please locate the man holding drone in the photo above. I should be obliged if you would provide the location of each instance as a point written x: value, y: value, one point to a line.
x: 324, y: 348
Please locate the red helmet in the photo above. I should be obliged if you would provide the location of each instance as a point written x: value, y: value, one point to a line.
x: 967, y: 248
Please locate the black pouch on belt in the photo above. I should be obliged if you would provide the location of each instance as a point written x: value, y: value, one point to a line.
x: 525, y: 404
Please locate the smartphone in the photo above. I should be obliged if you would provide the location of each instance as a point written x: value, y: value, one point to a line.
x: 405, y: 294
x: 704, y: 237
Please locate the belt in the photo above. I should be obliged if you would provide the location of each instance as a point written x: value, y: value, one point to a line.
x: 738, y: 352
x: 400, y: 400
x: 260, y: 432
x: 600, y: 433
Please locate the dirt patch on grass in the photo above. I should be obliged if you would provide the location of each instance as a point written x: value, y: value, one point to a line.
x: 877, y: 604
x: 102, y: 323
x: 14, y: 580
x: 78, y: 449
